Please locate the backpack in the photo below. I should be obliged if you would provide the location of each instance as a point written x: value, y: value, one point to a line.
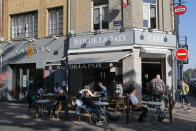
x: 186, y: 87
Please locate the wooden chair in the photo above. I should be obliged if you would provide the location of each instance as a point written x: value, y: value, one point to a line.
x: 120, y: 103
x: 83, y: 110
x: 60, y: 107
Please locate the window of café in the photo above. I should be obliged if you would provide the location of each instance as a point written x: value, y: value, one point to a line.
x: 107, y: 75
x: 100, y: 14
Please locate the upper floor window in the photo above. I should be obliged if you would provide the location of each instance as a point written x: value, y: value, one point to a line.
x: 55, y: 21
x: 23, y: 26
x: 150, y: 19
x: 100, y: 14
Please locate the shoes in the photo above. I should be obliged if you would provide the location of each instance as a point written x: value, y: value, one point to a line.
x: 188, y: 109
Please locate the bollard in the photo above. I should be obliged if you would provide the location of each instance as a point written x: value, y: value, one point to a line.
x: 128, y: 108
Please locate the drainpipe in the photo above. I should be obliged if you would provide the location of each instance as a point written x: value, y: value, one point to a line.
x: 69, y: 14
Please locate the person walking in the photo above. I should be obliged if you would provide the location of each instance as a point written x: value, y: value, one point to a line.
x: 184, y: 89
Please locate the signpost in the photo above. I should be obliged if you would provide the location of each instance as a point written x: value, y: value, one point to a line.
x: 180, y: 9
x: 181, y: 54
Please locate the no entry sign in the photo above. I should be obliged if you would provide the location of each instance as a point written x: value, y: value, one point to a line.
x: 181, y: 54
x: 180, y: 9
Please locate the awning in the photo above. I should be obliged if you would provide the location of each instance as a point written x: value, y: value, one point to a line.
x: 154, y: 51
x: 98, y: 57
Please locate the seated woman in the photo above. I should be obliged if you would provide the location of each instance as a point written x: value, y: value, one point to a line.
x: 135, y: 103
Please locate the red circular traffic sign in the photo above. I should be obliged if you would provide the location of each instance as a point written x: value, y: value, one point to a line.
x: 180, y: 9
x: 181, y: 54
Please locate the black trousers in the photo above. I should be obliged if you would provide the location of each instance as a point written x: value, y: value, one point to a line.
x: 144, y: 112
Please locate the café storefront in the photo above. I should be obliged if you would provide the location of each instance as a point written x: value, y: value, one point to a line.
x: 94, y: 58
x: 133, y: 56
x: 24, y: 65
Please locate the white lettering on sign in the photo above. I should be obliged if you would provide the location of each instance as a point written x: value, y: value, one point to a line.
x: 85, y: 66
x: 180, y: 54
x: 35, y: 50
x: 180, y: 9
x: 156, y: 38
x: 104, y: 39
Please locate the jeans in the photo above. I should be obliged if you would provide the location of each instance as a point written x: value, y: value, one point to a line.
x: 144, y: 112
x: 185, y: 97
x: 94, y: 112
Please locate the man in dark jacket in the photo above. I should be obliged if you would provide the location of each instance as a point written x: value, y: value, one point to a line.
x: 89, y: 105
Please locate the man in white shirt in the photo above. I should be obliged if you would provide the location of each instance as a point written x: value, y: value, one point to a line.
x: 57, y: 88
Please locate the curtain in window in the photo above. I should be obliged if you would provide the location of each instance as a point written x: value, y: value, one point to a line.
x: 55, y: 21
x: 105, y: 14
x: 146, y: 14
x: 152, y: 12
x: 96, y: 16
x: 24, y: 26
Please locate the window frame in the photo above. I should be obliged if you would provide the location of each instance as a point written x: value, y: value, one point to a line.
x: 29, y: 23
x: 58, y: 30
x: 100, y: 7
x: 149, y: 19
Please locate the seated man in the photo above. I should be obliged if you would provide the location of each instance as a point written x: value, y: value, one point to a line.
x: 93, y: 108
x: 135, y: 103
x: 89, y: 105
x: 57, y: 88
x: 103, y: 92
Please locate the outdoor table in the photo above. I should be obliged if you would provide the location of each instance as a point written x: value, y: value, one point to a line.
x: 101, y: 109
x: 156, y: 106
x: 41, y: 103
x: 50, y: 95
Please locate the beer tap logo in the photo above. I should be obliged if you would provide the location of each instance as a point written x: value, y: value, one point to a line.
x: 30, y: 51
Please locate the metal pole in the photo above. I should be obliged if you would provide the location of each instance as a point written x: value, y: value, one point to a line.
x: 128, y: 108
x: 122, y: 14
x: 66, y: 77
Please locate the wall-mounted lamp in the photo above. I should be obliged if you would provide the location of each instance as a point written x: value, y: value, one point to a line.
x: 55, y: 37
x: 150, y: 29
x: 10, y: 42
x: 122, y: 29
x: 71, y: 33
x: 30, y: 39
x: 96, y: 32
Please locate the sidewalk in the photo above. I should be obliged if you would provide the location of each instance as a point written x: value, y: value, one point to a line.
x: 16, y: 117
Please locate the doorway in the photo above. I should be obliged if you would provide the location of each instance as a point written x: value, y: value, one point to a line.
x: 150, y: 68
x: 23, y: 78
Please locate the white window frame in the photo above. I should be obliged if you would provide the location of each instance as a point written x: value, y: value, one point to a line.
x: 149, y: 20
x: 100, y: 7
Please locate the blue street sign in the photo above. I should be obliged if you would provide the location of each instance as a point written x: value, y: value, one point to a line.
x: 117, y: 23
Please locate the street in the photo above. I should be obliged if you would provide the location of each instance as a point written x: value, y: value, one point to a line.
x: 17, y: 117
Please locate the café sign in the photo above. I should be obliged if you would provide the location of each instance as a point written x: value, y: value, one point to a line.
x: 85, y: 66
x: 101, y: 40
x: 155, y: 39
x: 34, y: 50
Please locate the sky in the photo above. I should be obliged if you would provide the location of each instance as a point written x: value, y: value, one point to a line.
x: 188, y: 28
